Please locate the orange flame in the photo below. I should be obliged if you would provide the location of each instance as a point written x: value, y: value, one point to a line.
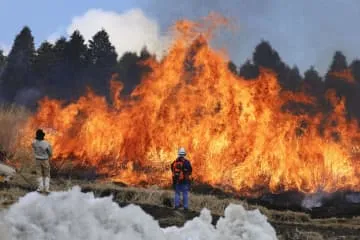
x: 234, y: 130
x: 346, y: 75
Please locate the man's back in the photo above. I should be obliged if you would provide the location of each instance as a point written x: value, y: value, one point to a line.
x: 42, y: 149
x: 185, y: 169
x: 181, y: 170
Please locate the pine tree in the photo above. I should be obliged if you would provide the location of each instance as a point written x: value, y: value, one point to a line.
x: 76, y: 63
x: 58, y: 74
x: 144, y: 54
x: 334, y: 79
x: 249, y: 70
x: 44, y: 65
x: 293, y: 79
x: 343, y: 86
x: 313, y: 83
x: 17, y: 73
x: 2, y: 62
x: 129, y: 71
x: 355, y: 70
x: 232, y: 67
x: 265, y: 56
x: 103, y: 59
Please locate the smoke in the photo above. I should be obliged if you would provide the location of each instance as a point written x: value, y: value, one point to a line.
x: 320, y: 199
x: 76, y: 215
x: 312, y: 201
x: 5, y: 48
x: 303, y: 32
x: 128, y: 31
x: 28, y: 97
x: 353, y: 197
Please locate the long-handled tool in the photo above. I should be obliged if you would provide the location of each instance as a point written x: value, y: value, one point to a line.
x: 33, y: 188
x: 11, y: 171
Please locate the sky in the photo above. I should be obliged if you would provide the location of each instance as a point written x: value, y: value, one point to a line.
x: 304, y: 32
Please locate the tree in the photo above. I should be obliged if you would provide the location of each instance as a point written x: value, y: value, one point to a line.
x: 338, y: 63
x: 129, y: 71
x: 248, y: 70
x: 265, y: 56
x: 17, y: 73
x: 338, y: 80
x: 76, y: 62
x: 59, y: 49
x: 355, y: 70
x: 44, y: 65
x: 144, y: 54
x: 290, y: 78
x: 2, y: 62
x: 102, y: 52
x: 103, y: 60
x: 76, y: 50
x: 232, y: 67
x: 334, y: 78
x: 58, y: 73
x: 313, y: 83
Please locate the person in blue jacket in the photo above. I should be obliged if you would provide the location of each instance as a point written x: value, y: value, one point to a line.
x: 181, y: 171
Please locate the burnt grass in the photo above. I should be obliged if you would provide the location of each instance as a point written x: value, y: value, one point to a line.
x: 334, y: 219
x: 332, y: 205
x: 287, y: 227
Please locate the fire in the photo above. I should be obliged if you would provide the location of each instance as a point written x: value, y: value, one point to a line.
x: 235, y: 131
x: 346, y: 75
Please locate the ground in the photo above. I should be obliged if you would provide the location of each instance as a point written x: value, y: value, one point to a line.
x: 158, y: 203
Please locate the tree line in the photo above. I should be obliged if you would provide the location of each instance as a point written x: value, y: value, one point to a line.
x: 63, y: 70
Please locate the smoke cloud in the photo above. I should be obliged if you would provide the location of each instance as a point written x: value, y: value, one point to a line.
x: 5, y: 48
x: 304, y: 33
x: 128, y: 31
x: 76, y: 215
x: 28, y: 97
x: 313, y: 201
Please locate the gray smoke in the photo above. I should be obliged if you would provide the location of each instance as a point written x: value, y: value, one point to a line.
x: 28, y: 97
x: 303, y: 32
x: 353, y: 197
x: 312, y: 201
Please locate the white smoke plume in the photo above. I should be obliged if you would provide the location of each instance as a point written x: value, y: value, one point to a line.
x: 312, y: 201
x: 128, y: 31
x: 5, y: 48
x: 353, y: 197
x: 76, y: 215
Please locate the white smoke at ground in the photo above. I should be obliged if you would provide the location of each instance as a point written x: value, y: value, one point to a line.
x: 76, y: 215
x: 312, y: 201
x: 353, y: 197
x: 315, y: 200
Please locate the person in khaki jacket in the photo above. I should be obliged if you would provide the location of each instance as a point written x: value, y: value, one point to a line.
x: 43, y: 152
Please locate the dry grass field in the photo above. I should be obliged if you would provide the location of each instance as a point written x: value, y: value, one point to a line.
x: 156, y: 201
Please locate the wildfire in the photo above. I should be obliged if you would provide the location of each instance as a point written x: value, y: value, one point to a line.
x: 346, y: 75
x: 235, y: 131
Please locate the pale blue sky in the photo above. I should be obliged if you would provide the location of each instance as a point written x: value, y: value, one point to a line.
x: 303, y: 32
